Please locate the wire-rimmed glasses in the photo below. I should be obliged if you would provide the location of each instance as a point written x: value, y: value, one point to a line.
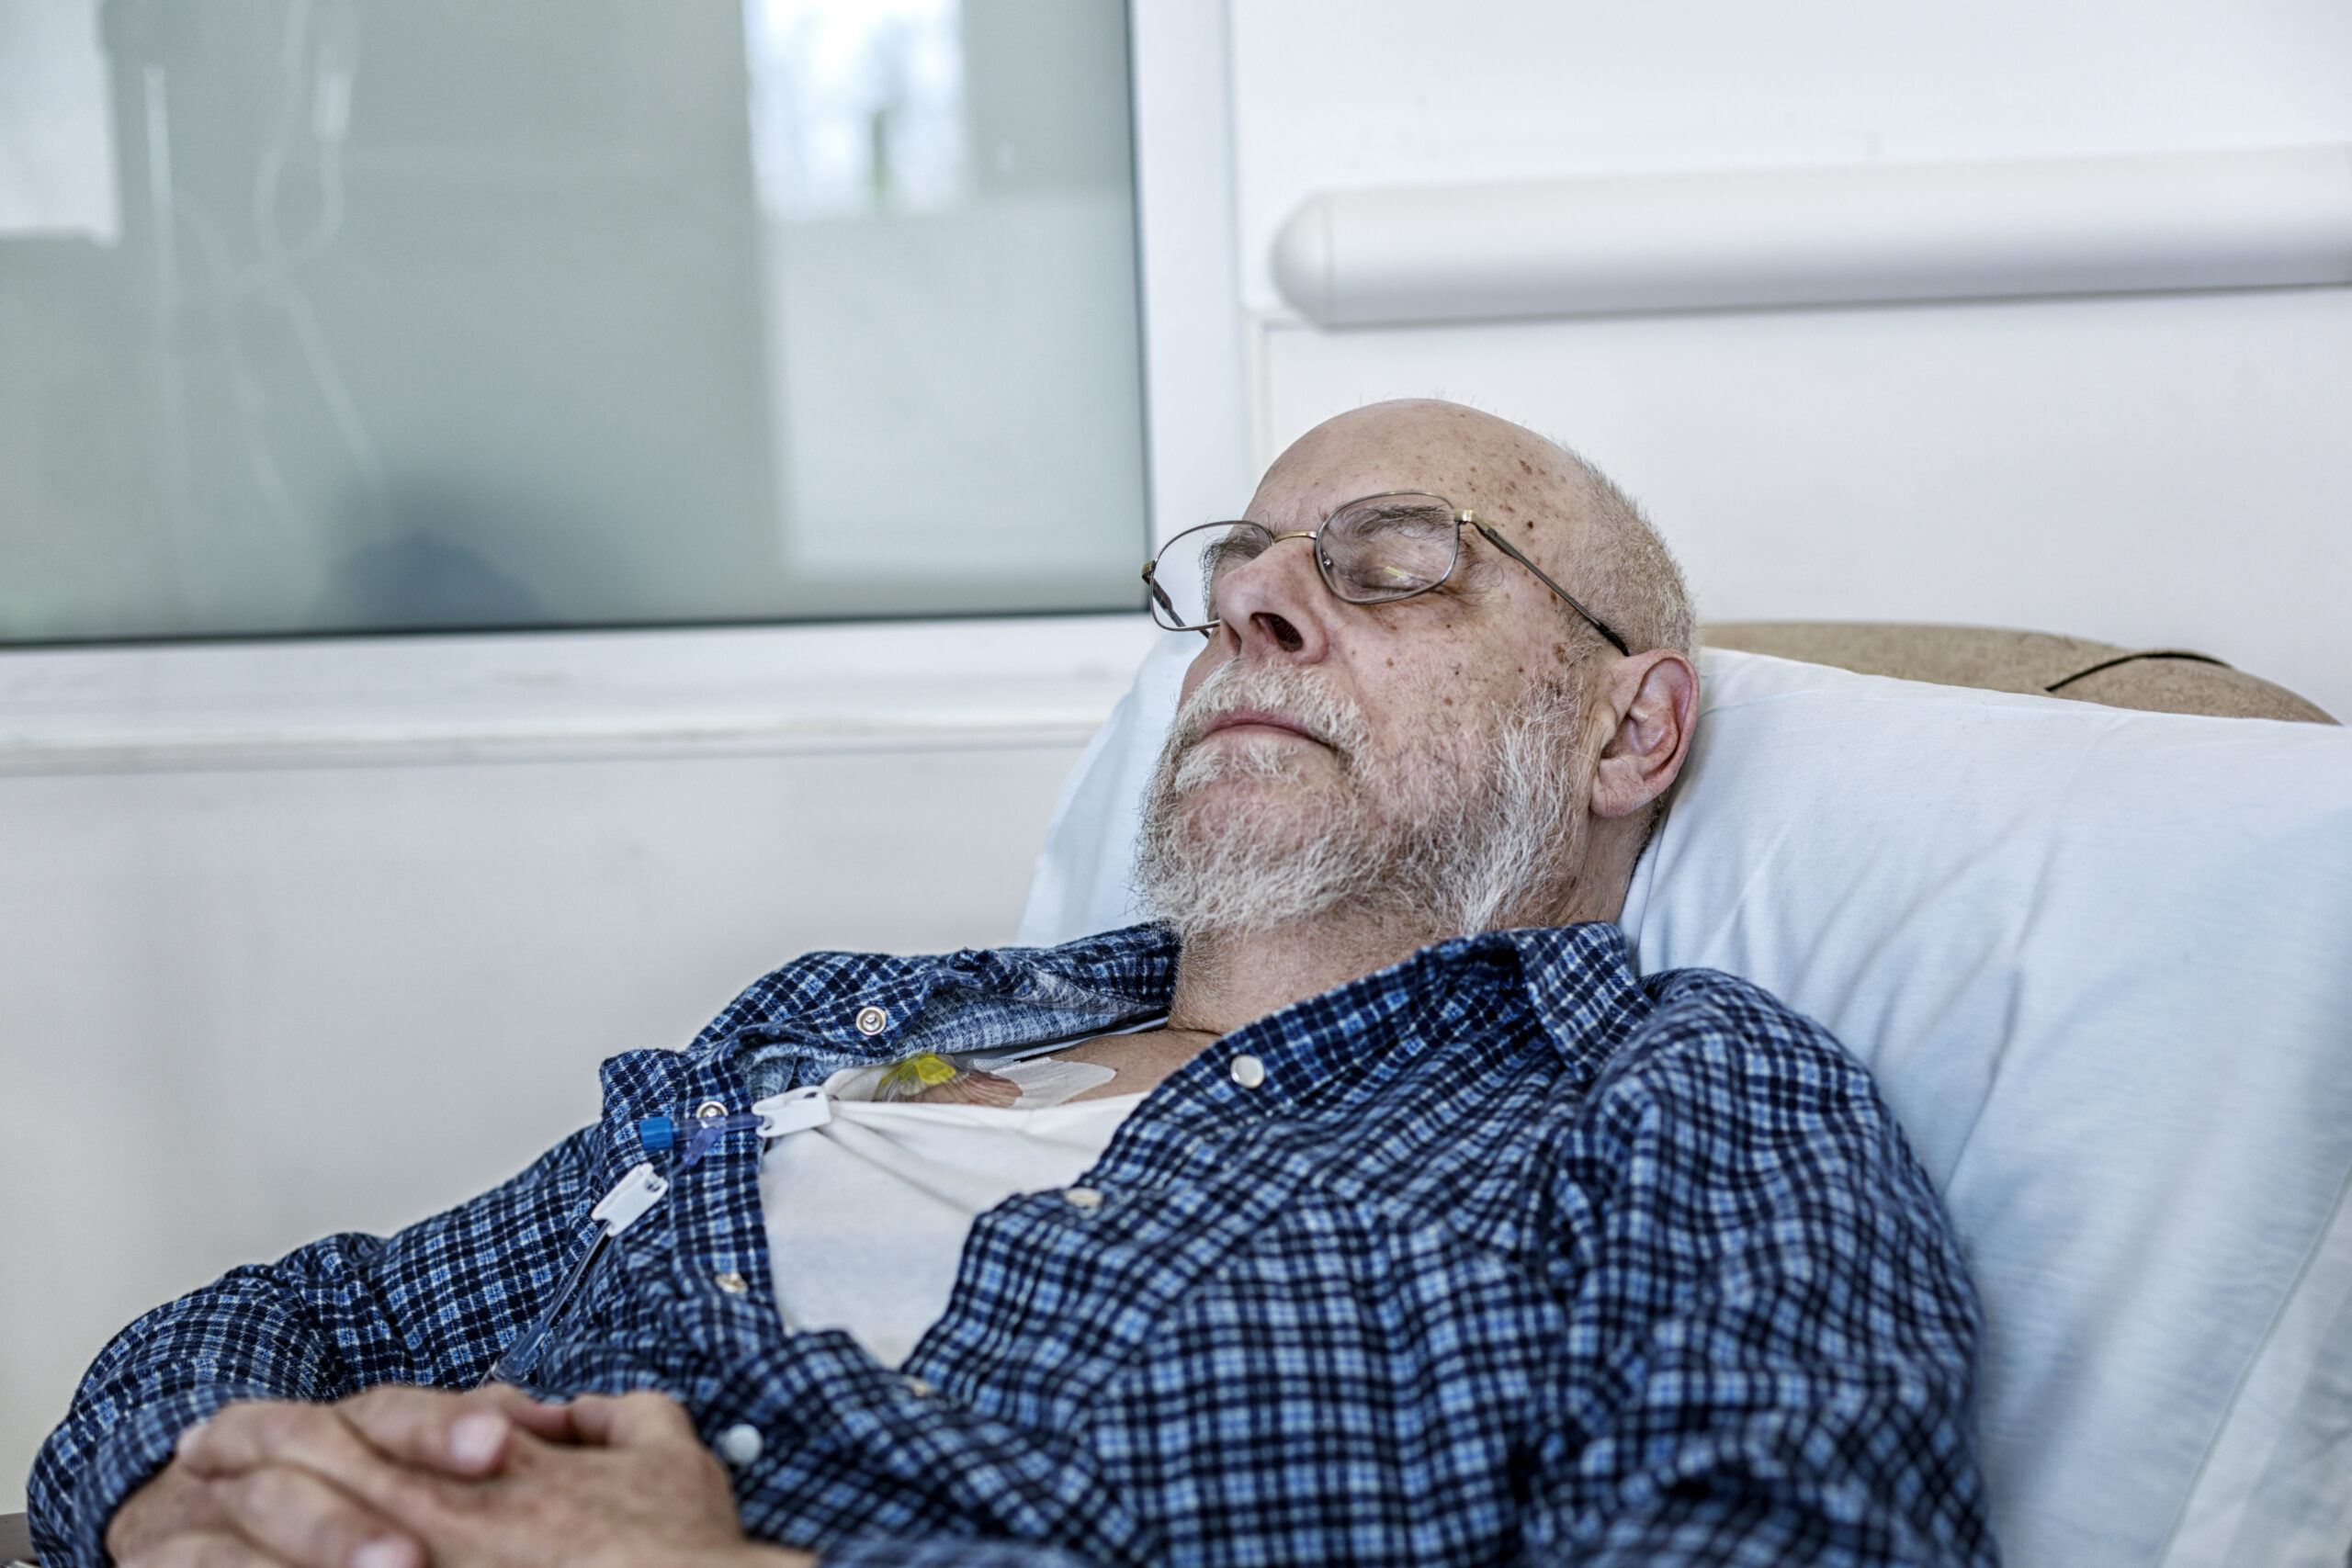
x: 1373, y: 550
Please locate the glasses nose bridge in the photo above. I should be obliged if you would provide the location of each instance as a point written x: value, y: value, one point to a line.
x: 1312, y: 535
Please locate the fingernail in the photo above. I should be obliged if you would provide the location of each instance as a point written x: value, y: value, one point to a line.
x: 473, y: 1439
x: 391, y: 1551
x: 187, y: 1438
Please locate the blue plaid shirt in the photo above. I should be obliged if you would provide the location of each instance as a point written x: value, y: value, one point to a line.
x: 1512, y: 1256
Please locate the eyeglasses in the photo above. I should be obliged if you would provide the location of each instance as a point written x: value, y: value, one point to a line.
x: 1376, y: 550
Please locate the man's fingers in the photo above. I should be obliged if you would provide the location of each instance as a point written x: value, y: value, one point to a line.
x: 631, y: 1420
x: 248, y: 1436
x: 548, y: 1422
x: 308, y: 1522
x: 207, y: 1548
x: 465, y: 1435
x: 172, y: 1502
x: 316, y: 1437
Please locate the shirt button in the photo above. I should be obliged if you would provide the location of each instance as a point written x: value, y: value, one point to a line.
x: 1247, y: 1071
x: 741, y: 1444
x: 1081, y: 1197
x: 872, y: 1021
x: 917, y: 1387
x: 734, y: 1285
x: 710, y: 1110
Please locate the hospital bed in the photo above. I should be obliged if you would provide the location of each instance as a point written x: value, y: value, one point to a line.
x: 2093, y: 931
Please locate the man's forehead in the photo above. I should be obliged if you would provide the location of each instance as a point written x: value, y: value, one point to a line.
x: 1505, y: 473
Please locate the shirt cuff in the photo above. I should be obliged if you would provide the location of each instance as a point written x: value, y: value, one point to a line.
x: 120, y: 1463
x: 943, y: 1552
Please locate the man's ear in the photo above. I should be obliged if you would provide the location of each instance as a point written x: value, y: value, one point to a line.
x: 1653, y: 699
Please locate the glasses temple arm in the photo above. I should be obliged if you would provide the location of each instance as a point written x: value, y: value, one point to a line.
x: 1165, y: 603
x: 1595, y: 622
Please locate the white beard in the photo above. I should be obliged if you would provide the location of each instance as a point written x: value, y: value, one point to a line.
x: 1446, y: 837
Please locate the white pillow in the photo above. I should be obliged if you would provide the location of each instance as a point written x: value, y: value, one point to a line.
x: 1080, y: 883
x: 2100, y: 962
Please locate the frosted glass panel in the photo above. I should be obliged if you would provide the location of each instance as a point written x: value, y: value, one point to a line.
x: 408, y: 313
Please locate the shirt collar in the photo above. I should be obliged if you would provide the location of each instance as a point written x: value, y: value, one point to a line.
x: 1577, y: 984
x: 826, y: 1010
x: 831, y: 1010
x: 1583, y: 986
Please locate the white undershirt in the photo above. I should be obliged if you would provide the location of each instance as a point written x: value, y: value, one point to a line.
x: 867, y: 1214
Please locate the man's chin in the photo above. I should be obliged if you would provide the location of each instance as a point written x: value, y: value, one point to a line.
x: 1272, y: 808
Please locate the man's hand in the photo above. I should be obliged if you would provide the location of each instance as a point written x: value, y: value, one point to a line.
x: 473, y: 1483
x: 184, y: 1517
x: 398, y: 1477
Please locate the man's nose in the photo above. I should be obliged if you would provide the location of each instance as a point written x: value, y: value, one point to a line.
x: 1276, y: 604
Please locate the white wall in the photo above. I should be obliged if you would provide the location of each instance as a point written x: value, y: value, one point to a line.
x: 2157, y: 470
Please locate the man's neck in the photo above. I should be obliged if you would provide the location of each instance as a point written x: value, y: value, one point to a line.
x: 1225, y: 980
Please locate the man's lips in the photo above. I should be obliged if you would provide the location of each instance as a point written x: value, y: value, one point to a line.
x: 1259, y: 718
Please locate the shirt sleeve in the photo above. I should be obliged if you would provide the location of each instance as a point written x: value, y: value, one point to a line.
x: 1773, y: 1333
x: 432, y: 1304
x: 943, y: 1552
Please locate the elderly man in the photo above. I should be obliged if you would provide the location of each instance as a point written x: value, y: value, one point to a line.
x: 1368, y: 1207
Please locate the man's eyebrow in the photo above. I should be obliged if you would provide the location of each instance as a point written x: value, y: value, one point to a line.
x: 1397, y: 512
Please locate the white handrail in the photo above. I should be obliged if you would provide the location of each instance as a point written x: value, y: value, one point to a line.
x: 2260, y: 218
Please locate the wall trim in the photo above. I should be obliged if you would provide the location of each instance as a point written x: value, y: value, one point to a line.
x: 1865, y: 233
x: 904, y: 685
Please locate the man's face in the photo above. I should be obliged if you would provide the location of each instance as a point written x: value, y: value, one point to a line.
x: 1421, y: 753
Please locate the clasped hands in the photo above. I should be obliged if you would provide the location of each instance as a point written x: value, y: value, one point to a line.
x: 403, y: 1477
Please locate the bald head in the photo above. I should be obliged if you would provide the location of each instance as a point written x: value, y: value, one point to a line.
x: 1550, y: 503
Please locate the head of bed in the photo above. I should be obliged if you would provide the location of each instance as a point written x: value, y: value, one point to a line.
x: 1993, y: 659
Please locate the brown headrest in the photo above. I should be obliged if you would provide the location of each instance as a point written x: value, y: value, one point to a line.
x: 1997, y: 660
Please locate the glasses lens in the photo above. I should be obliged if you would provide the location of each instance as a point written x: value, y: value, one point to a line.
x: 1184, y: 575
x: 1386, y: 547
